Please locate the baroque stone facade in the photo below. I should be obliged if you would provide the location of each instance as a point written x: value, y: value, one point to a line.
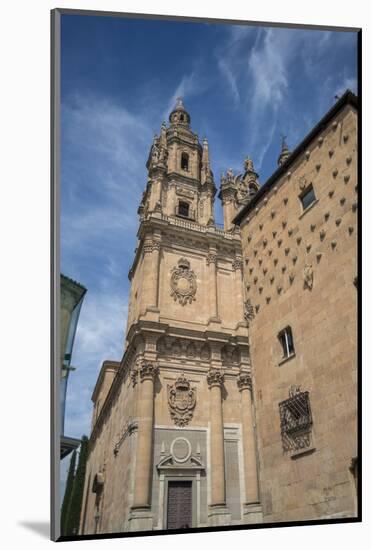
x: 186, y: 421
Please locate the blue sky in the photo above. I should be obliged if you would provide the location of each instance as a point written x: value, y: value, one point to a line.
x: 243, y: 86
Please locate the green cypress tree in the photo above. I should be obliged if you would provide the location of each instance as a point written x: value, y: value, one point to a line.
x: 74, y: 509
x: 68, y: 493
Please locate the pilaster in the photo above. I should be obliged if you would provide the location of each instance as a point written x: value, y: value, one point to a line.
x: 252, y: 504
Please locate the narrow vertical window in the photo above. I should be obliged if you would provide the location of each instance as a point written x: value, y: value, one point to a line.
x: 184, y: 162
x: 287, y: 342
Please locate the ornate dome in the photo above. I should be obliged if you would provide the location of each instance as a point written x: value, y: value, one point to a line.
x: 179, y: 115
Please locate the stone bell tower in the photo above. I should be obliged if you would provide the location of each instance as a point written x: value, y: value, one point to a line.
x: 237, y: 190
x: 173, y: 435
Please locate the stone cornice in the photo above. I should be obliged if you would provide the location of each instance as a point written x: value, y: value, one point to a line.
x: 106, y: 366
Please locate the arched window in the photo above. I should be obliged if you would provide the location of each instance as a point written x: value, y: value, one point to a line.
x: 183, y: 209
x: 184, y: 161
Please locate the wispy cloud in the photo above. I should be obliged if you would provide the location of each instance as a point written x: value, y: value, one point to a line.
x: 189, y: 85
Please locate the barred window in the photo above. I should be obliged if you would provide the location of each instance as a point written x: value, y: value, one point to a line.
x: 296, y: 421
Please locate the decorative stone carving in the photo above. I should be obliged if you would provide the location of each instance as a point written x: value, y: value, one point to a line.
x: 181, y: 401
x: 205, y: 352
x: 148, y: 371
x: 215, y: 377
x: 134, y: 376
x: 130, y: 427
x: 308, y: 276
x: 244, y: 381
x: 184, y: 192
x: 237, y: 264
x: 183, y: 283
x: 302, y: 182
x: 148, y: 247
x: 248, y: 311
x: 211, y: 258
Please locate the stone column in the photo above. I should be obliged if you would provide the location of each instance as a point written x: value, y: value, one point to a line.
x: 140, y: 518
x: 237, y: 266
x: 211, y: 260
x: 151, y: 251
x: 218, y: 510
x: 251, y: 505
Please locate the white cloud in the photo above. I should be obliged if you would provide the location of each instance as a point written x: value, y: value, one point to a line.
x: 268, y: 71
x: 189, y: 85
x: 231, y: 79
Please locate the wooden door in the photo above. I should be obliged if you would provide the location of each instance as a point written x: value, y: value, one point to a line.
x: 179, y: 504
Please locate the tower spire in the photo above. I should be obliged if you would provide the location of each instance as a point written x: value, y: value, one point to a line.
x: 285, y: 152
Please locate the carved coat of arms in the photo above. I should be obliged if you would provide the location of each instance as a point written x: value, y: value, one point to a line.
x: 183, y: 282
x: 181, y: 401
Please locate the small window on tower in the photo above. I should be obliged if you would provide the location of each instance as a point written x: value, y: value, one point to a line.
x: 183, y: 209
x: 184, y: 161
x: 287, y: 342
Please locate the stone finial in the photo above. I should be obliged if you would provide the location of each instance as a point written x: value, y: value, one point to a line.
x: 248, y: 164
x: 285, y: 152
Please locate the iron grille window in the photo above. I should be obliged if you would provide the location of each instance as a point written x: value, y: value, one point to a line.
x: 296, y: 421
x: 287, y: 342
x: 307, y: 197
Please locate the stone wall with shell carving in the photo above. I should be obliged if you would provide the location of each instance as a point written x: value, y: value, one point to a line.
x: 299, y: 270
